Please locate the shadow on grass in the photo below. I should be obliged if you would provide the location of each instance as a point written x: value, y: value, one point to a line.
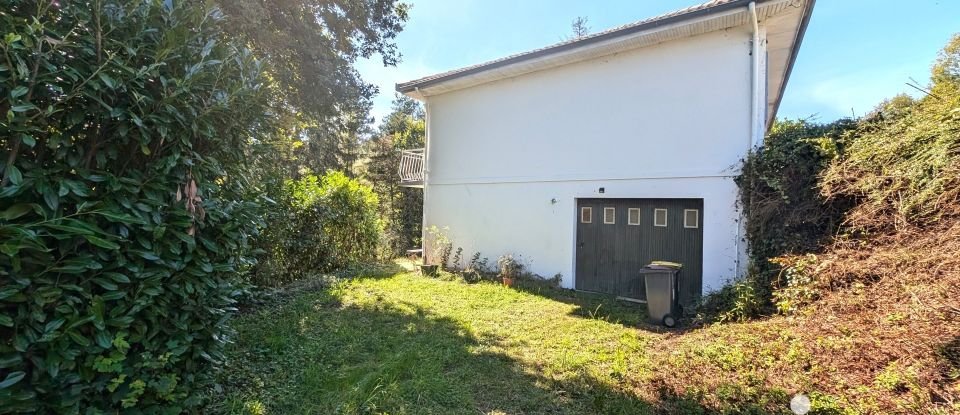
x: 598, y: 306
x: 316, y: 355
x: 322, y: 353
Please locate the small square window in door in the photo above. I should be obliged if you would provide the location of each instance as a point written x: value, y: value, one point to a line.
x: 586, y: 214
x: 609, y: 215
x: 660, y: 218
x: 691, y: 218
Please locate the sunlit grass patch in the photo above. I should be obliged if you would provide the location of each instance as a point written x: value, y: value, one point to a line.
x: 408, y: 344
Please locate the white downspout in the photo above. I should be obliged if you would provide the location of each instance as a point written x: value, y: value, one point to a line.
x: 755, y: 127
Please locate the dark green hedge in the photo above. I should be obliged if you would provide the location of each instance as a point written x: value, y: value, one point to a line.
x: 124, y: 218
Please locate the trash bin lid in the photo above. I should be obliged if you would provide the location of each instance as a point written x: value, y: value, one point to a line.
x: 664, y: 265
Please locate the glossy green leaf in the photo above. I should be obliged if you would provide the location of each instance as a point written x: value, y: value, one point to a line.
x: 118, y: 277
x: 12, y: 379
x: 51, y: 198
x: 8, y: 291
x: 114, y: 295
x: 18, y: 92
x: 103, y: 339
x: 107, y: 285
x: 78, y: 338
x: 80, y: 322
x: 14, y: 174
x: 103, y: 243
x: 23, y: 107
x: 16, y: 211
x: 53, y: 325
x: 10, y: 360
x: 121, y: 217
x: 28, y: 140
x: 107, y: 80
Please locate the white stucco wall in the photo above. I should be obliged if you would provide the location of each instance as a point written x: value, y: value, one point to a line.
x: 668, y: 121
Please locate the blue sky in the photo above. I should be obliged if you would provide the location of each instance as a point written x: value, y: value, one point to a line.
x: 855, y: 54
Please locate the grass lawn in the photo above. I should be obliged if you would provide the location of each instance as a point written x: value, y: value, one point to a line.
x: 406, y: 344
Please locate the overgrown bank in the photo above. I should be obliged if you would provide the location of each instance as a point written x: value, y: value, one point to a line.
x: 854, y: 231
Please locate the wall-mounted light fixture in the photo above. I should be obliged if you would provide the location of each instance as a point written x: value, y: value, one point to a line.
x: 602, y: 190
x: 554, y: 201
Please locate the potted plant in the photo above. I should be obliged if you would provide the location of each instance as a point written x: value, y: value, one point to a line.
x: 510, y: 269
x: 440, y: 247
x: 429, y: 270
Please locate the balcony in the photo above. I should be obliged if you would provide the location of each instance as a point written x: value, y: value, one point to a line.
x: 411, y: 168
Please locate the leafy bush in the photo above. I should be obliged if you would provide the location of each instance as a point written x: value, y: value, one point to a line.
x: 799, y: 287
x: 401, y: 208
x: 328, y: 223
x: 737, y: 301
x: 896, y: 167
x: 476, y: 268
x: 784, y: 210
x: 440, y: 245
x: 124, y: 212
x: 509, y: 267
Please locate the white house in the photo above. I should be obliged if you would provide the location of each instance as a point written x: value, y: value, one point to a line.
x: 592, y: 157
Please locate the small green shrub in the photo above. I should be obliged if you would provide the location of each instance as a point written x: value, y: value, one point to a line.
x: 799, y: 286
x: 441, y: 246
x: 509, y: 267
x: 326, y: 223
x: 474, y: 271
x: 401, y: 208
x: 458, y: 259
x: 125, y: 204
x: 737, y: 301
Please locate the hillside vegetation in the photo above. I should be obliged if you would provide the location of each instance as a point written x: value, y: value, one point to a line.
x: 867, y: 281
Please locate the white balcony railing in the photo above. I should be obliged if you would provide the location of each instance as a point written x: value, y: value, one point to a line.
x: 411, y: 167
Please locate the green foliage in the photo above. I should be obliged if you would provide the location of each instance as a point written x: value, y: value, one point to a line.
x: 798, y: 287
x: 735, y: 302
x: 509, y: 267
x: 331, y: 223
x: 310, y: 47
x: 310, y: 43
x: 401, y: 208
x: 784, y: 210
x: 898, y: 166
x: 125, y: 209
x: 904, y: 165
x: 440, y: 246
x: 352, y: 223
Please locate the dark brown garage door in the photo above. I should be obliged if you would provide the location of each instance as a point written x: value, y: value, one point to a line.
x: 617, y: 237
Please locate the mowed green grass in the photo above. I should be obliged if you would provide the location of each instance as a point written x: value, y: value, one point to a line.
x: 407, y: 344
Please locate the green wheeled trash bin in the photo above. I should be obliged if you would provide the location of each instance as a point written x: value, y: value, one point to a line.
x: 662, y: 285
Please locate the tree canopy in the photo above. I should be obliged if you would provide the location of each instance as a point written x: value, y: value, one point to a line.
x: 311, y: 46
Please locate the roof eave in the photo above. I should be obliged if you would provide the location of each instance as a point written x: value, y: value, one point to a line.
x: 801, y: 32
x: 408, y: 87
